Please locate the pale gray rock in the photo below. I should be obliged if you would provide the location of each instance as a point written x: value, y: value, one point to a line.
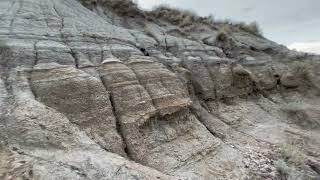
x: 88, y: 93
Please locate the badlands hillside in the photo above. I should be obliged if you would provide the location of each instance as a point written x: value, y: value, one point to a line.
x: 99, y: 89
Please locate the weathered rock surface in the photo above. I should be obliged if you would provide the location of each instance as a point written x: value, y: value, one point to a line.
x: 86, y: 93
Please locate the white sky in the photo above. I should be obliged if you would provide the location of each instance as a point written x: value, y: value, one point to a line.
x: 295, y: 23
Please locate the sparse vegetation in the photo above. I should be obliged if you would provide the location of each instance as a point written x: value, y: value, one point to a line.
x: 223, y: 34
x: 297, y: 112
x: 185, y: 19
x: 178, y: 17
x: 292, y: 154
x: 301, y: 114
x: 148, y: 31
x: 293, y: 107
x: 121, y: 7
x: 291, y: 159
x: 286, y: 172
x: 302, y: 70
x: 252, y: 28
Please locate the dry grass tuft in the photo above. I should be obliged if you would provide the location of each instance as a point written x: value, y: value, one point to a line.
x: 306, y: 75
x: 302, y: 70
x: 302, y: 115
x: 292, y: 154
x: 179, y: 17
x: 185, y: 19
x: 120, y: 7
x: 293, y: 107
x: 252, y: 28
x: 286, y: 172
x: 223, y: 34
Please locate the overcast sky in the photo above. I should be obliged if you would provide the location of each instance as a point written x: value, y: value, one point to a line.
x: 295, y: 23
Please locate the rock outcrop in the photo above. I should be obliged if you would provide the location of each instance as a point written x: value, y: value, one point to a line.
x: 92, y: 92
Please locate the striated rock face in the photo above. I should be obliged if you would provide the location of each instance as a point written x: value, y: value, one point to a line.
x: 82, y: 99
x: 89, y: 92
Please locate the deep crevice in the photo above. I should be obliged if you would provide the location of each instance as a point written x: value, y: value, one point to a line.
x: 314, y: 166
x: 5, y: 53
x: 63, y: 38
x: 118, y: 126
x: 195, y: 111
x: 74, y: 55
x: 166, y: 43
x: 36, y: 54
x: 118, y: 121
x: 29, y: 79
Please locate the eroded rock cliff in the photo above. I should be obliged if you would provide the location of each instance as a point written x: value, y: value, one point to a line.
x: 93, y: 91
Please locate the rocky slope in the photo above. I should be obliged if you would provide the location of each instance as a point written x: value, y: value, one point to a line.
x: 91, y: 92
